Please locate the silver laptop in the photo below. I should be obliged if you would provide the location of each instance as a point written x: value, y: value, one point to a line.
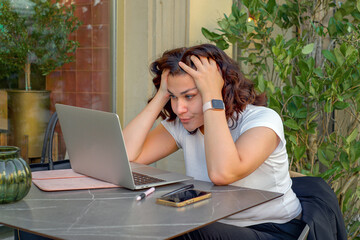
x: 96, y: 149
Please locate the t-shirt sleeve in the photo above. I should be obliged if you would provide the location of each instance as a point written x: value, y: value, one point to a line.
x: 265, y: 117
x: 176, y: 130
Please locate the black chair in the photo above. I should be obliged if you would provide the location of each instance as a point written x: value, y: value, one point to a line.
x: 321, y: 211
x: 48, y: 149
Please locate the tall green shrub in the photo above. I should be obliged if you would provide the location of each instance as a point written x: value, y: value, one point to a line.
x: 305, y: 56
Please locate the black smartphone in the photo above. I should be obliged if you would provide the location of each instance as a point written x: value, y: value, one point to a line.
x: 183, y: 198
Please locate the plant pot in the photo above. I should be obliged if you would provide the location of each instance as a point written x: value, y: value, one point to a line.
x: 29, y: 114
x: 15, y: 175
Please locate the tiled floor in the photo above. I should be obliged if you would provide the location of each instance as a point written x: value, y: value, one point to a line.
x: 6, y: 233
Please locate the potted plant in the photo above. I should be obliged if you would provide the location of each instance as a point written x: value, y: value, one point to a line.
x: 34, y: 34
x: 305, y: 56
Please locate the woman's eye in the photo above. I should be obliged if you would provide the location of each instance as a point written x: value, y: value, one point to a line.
x: 172, y: 96
x: 189, y: 96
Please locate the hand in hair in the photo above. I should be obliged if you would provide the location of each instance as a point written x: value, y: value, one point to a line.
x: 207, y: 77
x: 163, y: 85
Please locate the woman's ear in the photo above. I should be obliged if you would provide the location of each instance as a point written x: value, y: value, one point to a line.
x: 218, y: 67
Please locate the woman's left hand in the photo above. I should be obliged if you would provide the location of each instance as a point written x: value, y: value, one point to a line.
x: 207, y: 77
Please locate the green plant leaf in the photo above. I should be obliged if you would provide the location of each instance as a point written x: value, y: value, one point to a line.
x: 258, y: 46
x: 328, y: 106
x: 341, y: 105
x: 319, y: 72
x: 338, y: 15
x: 276, y: 50
x: 313, y: 117
x: 356, y: 170
x: 311, y: 130
x: 291, y: 123
x: 222, y: 44
x: 301, y: 113
x: 322, y: 157
x: 354, y: 153
x: 311, y: 63
x: 332, y: 26
x: 252, y: 57
x: 270, y: 6
x: 261, y: 83
x: 358, y: 5
x: 292, y: 108
x: 328, y: 173
x: 329, y: 56
x: 356, y: 15
x: 299, y: 152
x: 223, y: 24
x: 270, y: 88
x: 312, y: 91
x: 320, y: 30
x: 291, y: 42
x: 232, y: 39
x: 344, y: 160
x: 292, y: 138
x: 235, y: 11
x: 352, y: 135
x: 243, y: 45
x: 308, y: 49
x: 339, y: 56
x: 349, y: 50
x: 316, y: 169
x: 303, y: 66
x: 210, y: 35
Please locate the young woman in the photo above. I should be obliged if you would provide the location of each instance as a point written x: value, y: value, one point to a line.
x: 227, y: 134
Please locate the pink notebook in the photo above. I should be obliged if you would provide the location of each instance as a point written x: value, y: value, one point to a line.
x: 66, y: 179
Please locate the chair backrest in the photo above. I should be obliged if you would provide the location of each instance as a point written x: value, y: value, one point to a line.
x: 47, y: 150
x: 48, y: 141
x: 321, y: 211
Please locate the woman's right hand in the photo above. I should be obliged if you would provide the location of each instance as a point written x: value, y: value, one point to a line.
x: 163, y: 90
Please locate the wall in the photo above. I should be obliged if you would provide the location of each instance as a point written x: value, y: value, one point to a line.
x: 206, y: 13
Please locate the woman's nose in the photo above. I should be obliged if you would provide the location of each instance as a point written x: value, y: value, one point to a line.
x: 181, y: 107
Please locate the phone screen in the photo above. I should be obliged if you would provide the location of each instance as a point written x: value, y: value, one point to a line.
x: 184, y: 195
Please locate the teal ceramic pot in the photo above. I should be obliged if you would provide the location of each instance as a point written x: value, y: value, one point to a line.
x: 15, y: 175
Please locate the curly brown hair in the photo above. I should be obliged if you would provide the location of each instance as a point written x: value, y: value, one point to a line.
x: 237, y: 91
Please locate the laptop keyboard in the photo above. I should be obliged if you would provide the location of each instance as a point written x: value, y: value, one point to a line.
x: 141, y: 179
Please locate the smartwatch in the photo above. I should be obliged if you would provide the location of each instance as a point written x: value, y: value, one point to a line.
x: 214, y: 104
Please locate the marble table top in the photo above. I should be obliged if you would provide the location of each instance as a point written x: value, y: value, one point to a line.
x: 115, y: 213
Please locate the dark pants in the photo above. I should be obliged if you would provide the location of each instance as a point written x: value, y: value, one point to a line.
x: 266, y: 231
x: 22, y: 235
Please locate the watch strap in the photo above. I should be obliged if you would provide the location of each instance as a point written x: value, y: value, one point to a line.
x: 214, y: 104
x: 207, y: 106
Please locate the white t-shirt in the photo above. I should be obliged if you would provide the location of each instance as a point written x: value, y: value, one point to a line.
x: 272, y: 175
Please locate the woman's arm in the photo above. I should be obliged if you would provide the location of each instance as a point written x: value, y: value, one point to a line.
x: 227, y: 161
x: 147, y: 146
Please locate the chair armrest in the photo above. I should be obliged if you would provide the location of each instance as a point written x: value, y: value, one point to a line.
x: 296, y: 174
x: 304, y: 233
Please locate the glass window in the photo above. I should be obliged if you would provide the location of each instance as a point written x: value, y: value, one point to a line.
x: 84, y: 82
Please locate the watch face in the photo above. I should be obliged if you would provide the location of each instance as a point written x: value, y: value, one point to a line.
x: 217, y: 104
